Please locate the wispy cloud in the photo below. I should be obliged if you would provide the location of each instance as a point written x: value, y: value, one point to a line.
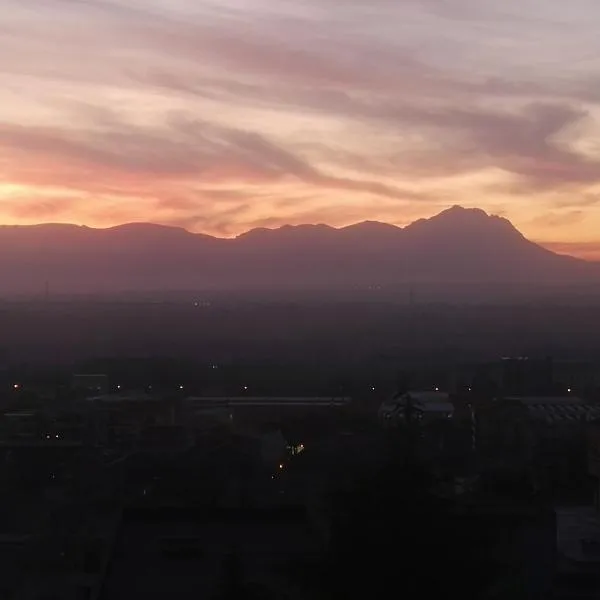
x: 222, y: 114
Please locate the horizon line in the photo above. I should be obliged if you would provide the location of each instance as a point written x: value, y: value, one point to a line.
x: 588, y: 251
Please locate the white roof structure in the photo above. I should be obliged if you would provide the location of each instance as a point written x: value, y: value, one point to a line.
x: 553, y: 413
x: 546, y: 400
x: 558, y: 409
x: 268, y: 401
x: 124, y: 397
x: 428, y: 396
x: 424, y: 402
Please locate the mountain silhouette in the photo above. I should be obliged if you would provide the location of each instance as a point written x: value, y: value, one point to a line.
x: 458, y: 245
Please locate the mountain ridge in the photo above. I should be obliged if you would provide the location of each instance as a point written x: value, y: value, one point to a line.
x: 360, y: 225
x: 458, y: 244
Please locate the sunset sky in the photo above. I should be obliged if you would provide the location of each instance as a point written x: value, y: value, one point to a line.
x: 223, y: 115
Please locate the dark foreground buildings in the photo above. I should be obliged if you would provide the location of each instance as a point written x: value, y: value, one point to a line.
x: 147, y: 494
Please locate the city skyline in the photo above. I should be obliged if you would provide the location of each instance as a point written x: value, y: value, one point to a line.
x: 221, y: 117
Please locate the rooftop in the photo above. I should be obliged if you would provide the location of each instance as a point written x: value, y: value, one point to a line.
x: 424, y: 401
x: 553, y: 413
x: 125, y: 397
x: 268, y: 400
x: 545, y: 400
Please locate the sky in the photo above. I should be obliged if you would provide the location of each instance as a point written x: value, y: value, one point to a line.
x: 224, y: 115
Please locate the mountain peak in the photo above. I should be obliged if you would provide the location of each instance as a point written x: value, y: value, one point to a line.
x: 371, y: 227
x: 459, y: 213
x: 463, y: 221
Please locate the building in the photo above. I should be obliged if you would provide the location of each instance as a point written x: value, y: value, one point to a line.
x: 117, y: 419
x: 259, y: 408
x: 578, y: 545
x: 594, y: 459
x: 424, y: 406
x: 545, y: 436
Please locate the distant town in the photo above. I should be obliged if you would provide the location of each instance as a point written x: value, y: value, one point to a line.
x: 112, y: 487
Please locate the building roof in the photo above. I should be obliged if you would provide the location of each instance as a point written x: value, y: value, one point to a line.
x: 211, y: 401
x: 555, y: 409
x: 431, y: 407
x: 429, y: 396
x: 546, y: 400
x: 426, y: 402
x: 125, y: 397
x: 554, y: 413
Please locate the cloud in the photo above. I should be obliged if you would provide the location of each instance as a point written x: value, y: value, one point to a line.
x: 523, y: 142
x: 223, y: 113
x: 183, y: 149
x: 585, y: 250
x: 46, y: 210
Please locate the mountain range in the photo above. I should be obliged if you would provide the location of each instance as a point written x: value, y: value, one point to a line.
x: 458, y: 245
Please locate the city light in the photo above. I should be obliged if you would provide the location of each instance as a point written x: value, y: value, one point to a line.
x: 295, y: 450
x: 437, y: 389
x: 569, y: 390
x: 180, y: 387
x: 16, y: 386
x: 281, y: 466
